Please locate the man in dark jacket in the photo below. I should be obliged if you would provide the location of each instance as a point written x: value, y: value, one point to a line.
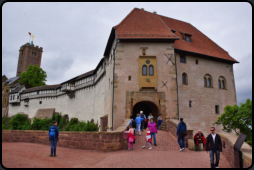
x: 53, y: 137
x: 180, y: 128
x: 142, y: 115
x: 215, y: 147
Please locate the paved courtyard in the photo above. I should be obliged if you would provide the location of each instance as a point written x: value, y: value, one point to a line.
x: 165, y: 155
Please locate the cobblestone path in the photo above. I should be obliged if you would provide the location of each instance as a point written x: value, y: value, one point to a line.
x: 165, y: 155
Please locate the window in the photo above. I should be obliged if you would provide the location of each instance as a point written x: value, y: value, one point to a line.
x: 217, y: 111
x: 184, y: 78
x: 38, y: 92
x: 208, y: 81
x: 13, y: 97
x: 222, y: 82
x: 10, y: 97
x: 196, y: 61
x: 129, y: 78
x: 151, y: 70
x: 144, y: 70
x: 182, y: 59
x: 187, y: 38
x: 34, y: 54
x: 6, y: 91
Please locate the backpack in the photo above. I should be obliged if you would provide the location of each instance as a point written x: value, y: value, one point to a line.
x: 133, y: 123
x: 142, y: 116
x: 52, y: 133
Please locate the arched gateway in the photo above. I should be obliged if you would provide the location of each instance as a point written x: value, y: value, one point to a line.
x: 147, y: 107
x: 147, y: 101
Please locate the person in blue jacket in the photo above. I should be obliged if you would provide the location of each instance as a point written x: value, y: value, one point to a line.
x: 53, y: 137
x: 181, y: 127
x: 138, y: 123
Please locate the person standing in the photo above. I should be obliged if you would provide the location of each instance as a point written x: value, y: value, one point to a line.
x: 181, y: 129
x: 153, y: 130
x: 150, y: 116
x: 215, y: 147
x: 53, y: 137
x: 133, y: 124
x: 143, y: 116
x: 148, y: 139
x: 131, y: 137
x: 159, y: 119
x: 138, y: 123
x: 199, y: 140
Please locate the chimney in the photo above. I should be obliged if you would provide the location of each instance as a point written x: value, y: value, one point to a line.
x: 155, y: 12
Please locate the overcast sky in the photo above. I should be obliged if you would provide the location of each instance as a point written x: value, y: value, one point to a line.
x: 74, y: 35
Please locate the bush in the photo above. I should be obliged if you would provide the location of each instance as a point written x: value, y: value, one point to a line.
x: 41, y: 124
x: 18, y: 122
x: 70, y: 125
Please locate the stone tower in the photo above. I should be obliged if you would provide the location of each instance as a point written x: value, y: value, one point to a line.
x: 28, y: 55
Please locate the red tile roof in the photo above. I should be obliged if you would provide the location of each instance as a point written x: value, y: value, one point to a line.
x: 200, y: 43
x: 140, y: 24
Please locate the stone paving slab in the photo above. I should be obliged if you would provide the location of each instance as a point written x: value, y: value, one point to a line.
x: 165, y: 155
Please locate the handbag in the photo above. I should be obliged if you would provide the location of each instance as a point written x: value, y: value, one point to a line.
x: 183, y: 133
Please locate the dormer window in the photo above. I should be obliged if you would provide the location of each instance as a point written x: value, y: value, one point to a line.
x: 187, y: 38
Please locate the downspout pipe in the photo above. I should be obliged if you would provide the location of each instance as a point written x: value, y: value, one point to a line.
x: 177, y: 89
x: 114, y: 49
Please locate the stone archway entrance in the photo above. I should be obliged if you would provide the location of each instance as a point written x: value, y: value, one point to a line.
x: 147, y: 107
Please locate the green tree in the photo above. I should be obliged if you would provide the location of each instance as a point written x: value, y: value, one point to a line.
x: 33, y: 77
x: 238, y: 119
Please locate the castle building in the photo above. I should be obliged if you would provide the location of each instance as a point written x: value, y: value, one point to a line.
x: 28, y: 55
x: 152, y: 63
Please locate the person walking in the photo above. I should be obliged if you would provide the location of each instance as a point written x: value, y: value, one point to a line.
x: 148, y: 139
x: 143, y: 116
x: 53, y: 137
x: 199, y: 140
x: 131, y: 137
x: 153, y: 130
x: 181, y: 131
x: 138, y: 123
x: 159, y: 119
x: 215, y: 147
x: 133, y: 124
x: 150, y: 116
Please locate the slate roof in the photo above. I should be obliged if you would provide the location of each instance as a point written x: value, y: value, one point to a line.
x: 11, y: 80
x: 79, y: 77
x: 140, y: 24
x: 46, y: 87
x: 17, y: 89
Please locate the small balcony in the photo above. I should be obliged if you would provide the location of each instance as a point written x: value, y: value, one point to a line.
x: 14, y: 101
x: 67, y: 87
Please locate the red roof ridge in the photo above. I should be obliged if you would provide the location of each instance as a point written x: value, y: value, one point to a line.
x: 174, y: 19
x: 168, y: 27
x: 125, y: 18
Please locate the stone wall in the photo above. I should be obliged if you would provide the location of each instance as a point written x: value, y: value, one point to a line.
x: 201, y: 114
x: 228, y: 142
x: 172, y: 127
x: 43, y: 113
x: 105, y: 141
x: 127, y: 64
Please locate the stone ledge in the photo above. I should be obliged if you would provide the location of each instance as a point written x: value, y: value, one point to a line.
x: 246, y: 149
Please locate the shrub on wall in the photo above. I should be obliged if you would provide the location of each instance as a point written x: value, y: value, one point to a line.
x: 19, y: 122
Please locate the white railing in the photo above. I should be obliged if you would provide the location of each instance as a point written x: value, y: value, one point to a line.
x: 67, y: 87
